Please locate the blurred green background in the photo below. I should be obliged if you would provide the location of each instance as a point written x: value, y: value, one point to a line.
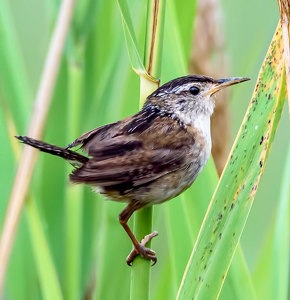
x: 107, y: 96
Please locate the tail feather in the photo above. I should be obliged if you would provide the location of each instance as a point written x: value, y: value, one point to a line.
x: 54, y: 150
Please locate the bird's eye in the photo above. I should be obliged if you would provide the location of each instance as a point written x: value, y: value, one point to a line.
x: 194, y: 90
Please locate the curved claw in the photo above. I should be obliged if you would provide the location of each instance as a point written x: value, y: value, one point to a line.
x: 143, y: 251
x: 131, y: 257
x: 154, y: 261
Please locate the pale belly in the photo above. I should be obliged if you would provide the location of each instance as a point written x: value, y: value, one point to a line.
x: 173, y: 184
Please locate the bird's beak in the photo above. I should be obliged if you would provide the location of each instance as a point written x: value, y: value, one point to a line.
x: 222, y: 83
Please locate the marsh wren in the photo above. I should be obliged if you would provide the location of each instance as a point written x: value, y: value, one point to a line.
x: 150, y: 157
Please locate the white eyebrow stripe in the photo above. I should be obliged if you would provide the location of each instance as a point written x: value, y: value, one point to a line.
x: 182, y: 88
x: 177, y: 89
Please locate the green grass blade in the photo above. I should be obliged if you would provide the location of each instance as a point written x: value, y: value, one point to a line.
x: 50, y: 287
x: 271, y: 275
x: 281, y: 247
x: 185, y: 12
x: 262, y: 275
x: 85, y: 14
x: 74, y: 194
x: 131, y: 40
x: 12, y: 72
x: 231, y: 204
x: 238, y: 284
x: 74, y: 201
x: 174, y: 53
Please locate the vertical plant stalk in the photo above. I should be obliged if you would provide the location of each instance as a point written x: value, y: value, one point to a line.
x: 74, y: 193
x: 28, y: 157
x: 154, y: 37
x: 140, y: 276
x: 14, y: 79
x: 143, y: 221
x: 284, y: 7
x: 48, y: 279
x: 281, y: 246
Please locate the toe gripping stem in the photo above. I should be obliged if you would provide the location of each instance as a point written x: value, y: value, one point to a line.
x: 139, y: 248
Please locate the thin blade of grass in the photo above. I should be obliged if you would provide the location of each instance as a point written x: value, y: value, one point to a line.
x: 262, y: 274
x: 131, y: 40
x: 74, y: 194
x: 232, y: 201
x: 239, y: 281
x: 281, y: 247
x: 74, y: 199
x: 271, y: 275
x: 175, y: 62
x: 185, y: 12
x: 48, y: 278
x: 12, y: 72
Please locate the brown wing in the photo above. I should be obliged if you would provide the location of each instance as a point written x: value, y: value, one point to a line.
x: 134, y: 151
x: 132, y: 168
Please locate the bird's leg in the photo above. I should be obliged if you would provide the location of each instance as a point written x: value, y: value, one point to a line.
x: 139, y: 248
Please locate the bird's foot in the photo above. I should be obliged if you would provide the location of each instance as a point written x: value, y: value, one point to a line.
x: 143, y: 251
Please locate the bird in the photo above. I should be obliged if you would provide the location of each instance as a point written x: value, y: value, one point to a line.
x: 150, y: 157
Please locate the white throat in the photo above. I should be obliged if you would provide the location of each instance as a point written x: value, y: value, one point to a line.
x: 201, y: 122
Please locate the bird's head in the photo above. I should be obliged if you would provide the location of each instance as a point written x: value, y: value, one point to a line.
x: 190, y: 95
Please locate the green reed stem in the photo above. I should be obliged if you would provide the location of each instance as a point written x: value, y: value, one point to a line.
x: 140, y: 275
x: 48, y: 279
x: 74, y: 194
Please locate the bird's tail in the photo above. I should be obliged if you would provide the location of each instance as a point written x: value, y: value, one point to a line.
x: 67, y: 154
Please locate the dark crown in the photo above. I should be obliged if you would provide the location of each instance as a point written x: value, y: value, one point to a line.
x: 167, y: 87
